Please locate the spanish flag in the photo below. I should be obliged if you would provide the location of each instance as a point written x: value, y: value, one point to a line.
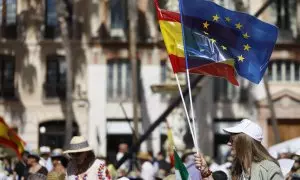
x: 10, y: 139
x: 171, y: 29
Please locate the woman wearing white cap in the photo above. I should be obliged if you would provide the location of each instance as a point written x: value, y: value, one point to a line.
x: 251, y: 159
x: 83, y: 164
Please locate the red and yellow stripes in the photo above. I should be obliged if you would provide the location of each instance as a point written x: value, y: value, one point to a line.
x: 10, y: 139
x: 171, y: 31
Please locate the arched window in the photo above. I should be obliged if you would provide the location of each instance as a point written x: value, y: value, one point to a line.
x: 284, y: 71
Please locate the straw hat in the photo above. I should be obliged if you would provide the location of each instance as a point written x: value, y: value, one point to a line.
x: 78, y: 144
x: 143, y: 156
x: 187, y: 153
x: 170, y: 177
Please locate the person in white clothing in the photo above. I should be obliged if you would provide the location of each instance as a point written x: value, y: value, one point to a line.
x: 83, y: 164
x: 45, y: 158
x: 123, y: 149
x: 147, y: 169
x: 3, y: 173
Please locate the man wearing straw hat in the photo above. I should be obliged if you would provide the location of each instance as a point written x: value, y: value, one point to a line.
x: 147, y: 169
x: 83, y: 164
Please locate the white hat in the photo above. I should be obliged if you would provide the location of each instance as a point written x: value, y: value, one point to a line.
x: 247, y: 127
x: 78, y: 144
x: 57, y: 152
x: 45, y: 150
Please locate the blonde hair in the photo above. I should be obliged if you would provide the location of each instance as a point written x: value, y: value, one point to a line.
x: 248, y: 151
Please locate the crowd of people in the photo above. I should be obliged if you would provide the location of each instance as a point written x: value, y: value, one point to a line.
x: 248, y: 160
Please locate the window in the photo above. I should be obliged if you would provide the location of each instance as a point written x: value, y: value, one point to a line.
x: 118, y: 17
x: 55, y: 85
x: 119, y: 79
x: 284, y: 71
x: 52, y: 29
x: 8, y: 18
x: 7, y: 76
x: 283, y: 14
x: 284, y: 9
x: 51, y: 23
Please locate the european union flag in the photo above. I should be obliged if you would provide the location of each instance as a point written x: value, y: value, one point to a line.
x: 213, y: 34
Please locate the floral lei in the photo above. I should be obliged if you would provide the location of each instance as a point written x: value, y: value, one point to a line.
x: 101, y: 174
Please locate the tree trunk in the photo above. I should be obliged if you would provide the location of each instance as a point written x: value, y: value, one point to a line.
x: 62, y: 14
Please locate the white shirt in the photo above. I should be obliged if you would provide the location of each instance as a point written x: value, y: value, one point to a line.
x: 126, y: 164
x: 46, y: 163
x: 147, y: 171
x: 98, y: 170
x: 3, y: 176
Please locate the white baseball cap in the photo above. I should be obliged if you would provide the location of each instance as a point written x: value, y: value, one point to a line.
x: 247, y: 127
x: 45, y: 150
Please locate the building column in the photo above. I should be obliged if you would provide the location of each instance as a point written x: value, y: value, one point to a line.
x: 151, y: 106
x: 292, y: 71
x: 204, y: 118
x: 95, y: 16
x: 97, y: 104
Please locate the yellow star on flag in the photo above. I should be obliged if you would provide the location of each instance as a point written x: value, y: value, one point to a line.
x: 213, y: 40
x: 247, y: 47
x: 241, y: 58
x: 205, y: 25
x: 224, y: 48
x: 227, y: 19
x: 246, y: 36
x: 216, y: 18
x: 238, y: 25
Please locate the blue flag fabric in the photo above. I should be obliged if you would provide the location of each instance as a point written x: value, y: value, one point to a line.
x: 213, y: 34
